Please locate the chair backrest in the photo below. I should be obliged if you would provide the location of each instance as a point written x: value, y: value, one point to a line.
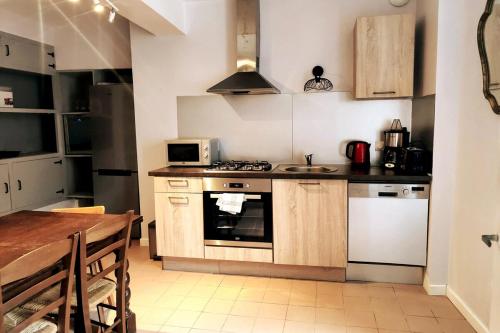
x: 57, y: 261
x: 95, y: 244
x: 82, y: 210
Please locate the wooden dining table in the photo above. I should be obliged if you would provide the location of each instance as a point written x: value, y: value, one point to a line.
x: 25, y: 231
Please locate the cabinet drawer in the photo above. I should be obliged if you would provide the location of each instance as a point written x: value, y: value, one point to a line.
x: 181, y: 185
x: 238, y: 254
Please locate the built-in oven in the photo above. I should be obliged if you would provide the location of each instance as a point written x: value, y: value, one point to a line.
x: 252, y: 227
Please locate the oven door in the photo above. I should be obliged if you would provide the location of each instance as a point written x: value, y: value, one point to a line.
x: 253, y: 227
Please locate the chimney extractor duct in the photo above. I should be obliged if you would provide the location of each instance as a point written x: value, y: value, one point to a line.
x: 247, y: 80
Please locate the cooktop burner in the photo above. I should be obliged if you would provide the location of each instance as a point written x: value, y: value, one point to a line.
x: 240, y: 166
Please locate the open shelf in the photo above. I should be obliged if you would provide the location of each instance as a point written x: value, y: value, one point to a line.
x: 78, y: 155
x: 29, y: 111
x: 80, y: 195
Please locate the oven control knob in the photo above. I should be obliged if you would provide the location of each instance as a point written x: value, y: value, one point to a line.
x: 406, y: 191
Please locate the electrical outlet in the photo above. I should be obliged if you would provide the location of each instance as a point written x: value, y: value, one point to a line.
x: 379, y: 145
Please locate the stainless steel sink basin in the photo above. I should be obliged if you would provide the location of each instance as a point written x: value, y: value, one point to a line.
x: 310, y: 169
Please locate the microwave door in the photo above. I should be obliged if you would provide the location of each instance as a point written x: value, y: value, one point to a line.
x: 184, y: 153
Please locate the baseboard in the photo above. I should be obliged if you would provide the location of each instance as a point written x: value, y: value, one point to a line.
x: 144, y: 242
x: 467, y: 312
x: 434, y: 289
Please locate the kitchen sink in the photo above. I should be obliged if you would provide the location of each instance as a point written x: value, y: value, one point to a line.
x: 309, y: 169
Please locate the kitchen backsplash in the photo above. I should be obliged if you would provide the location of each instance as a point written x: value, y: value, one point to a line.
x: 284, y: 127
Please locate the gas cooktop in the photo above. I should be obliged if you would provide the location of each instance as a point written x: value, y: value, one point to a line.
x: 241, y: 166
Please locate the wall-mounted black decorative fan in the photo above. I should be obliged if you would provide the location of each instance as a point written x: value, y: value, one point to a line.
x: 318, y: 83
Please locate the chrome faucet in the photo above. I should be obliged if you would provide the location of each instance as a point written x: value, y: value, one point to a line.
x: 309, y: 158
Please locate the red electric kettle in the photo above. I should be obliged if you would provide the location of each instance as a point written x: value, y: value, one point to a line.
x: 358, y: 152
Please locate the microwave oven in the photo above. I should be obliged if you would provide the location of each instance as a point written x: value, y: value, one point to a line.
x: 192, y: 152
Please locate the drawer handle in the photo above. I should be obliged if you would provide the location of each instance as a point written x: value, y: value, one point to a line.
x: 19, y: 185
x: 53, y: 66
x: 179, y: 200
x: 7, y: 50
x: 310, y: 184
x: 183, y: 183
x: 6, y: 188
x: 384, y: 92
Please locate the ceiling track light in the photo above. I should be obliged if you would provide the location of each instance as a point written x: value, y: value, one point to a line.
x: 98, y: 7
x: 112, y: 15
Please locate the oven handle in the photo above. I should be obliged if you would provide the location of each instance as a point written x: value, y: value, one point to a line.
x: 179, y: 200
x: 247, y: 196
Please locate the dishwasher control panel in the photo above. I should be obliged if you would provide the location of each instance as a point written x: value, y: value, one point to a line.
x: 401, y: 191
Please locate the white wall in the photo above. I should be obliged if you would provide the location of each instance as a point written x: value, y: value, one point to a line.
x: 296, y: 35
x: 466, y: 185
x: 27, y: 27
x: 282, y: 128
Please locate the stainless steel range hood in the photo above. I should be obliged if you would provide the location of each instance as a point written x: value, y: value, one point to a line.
x: 247, y: 80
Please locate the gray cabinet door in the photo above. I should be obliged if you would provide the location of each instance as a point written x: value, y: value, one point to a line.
x: 5, y: 203
x: 37, y: 182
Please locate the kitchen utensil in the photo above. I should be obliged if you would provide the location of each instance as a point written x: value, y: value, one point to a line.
x: 397, y: 135
x: 318, y: 83
x: 358, y: 152
x: 414, y: 160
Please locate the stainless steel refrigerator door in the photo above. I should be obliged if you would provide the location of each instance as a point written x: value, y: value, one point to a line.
x: 113, y: 127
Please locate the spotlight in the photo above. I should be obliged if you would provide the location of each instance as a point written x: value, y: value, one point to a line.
x: 98, y: 7
x: 112, y: 15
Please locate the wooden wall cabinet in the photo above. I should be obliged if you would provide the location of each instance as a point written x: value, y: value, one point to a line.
x: 5, y: 202
x: 384, y: 50
x: 179, y: 218
x: 310, y: 222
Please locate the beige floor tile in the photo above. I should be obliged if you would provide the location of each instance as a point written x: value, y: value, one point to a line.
x: 279, y: 284
x: 414, y: 307
x: 301, y: 313
x: 360, y: 319
x: 330, y: 301
x: 448, y: 311
x: 256, y: 282
x: 391, y: 321
x: 361, y: 330
x: 210, y: 280
x: 381, y: 292
x: 423, y: 324
x: 354, y: 289
x: 190, y: 277
x: 390, y: 331
x: 273, y: 311
x: 218, y: 306
x: 169, y: 301
x: 226, y: 293
x: 202, y: 291
x: 298, y: 327
x: 277, y: 296
x: 302, y: 298
x: 183, y: 318
x: 193, y: 303
x: 381, y: 305
x: 246, y: 309
x: 197, y: 330
x: 171, y: 276
x: 266, y: 325
x: 357, y: 303
x: 179, y: 289
x: 329, y: 288
x: 174, y: 329
x: 238, y: 324
x: 233, y: 281
x: 210, y: 321
x: 251, y: 294
x: 302, y: 286
x: 145, y: 328
x: 330, y: 316
x: 152, y: 315
x: 327, y: 328
x: 455, y: 326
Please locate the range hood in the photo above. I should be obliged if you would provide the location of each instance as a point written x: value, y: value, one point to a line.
x: 247, y: 80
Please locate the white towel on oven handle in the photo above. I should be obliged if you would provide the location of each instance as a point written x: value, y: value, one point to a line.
x: 231, y: 202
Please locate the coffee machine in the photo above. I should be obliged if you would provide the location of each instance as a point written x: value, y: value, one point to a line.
x: 396, y: 139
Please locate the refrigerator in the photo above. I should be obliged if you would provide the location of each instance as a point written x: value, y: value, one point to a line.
x: 114, y: 152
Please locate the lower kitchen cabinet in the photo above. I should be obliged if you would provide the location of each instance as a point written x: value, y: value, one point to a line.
x: 5, y: 203
x: 179, y: 224
x: 310, y: 222
x: 36, y: 182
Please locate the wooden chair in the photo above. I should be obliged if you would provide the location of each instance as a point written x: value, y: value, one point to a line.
x: 57, y: 261
x: 82, y: 210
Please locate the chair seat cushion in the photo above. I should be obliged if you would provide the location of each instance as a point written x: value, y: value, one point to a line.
x: 98, y: 292
x: 18, y: 315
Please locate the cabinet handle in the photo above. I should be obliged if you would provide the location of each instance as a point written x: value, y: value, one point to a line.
x: 52, y: 54
x: 179, y: 200
x: 7, y: 50
x: 309, y: 183
x: 384, y: 92
x: 53, y: 66
x: 184, y: 183
x: 60, y: 191
x: 19, y: 185
x: 58, y: 162
x: 6, y: 188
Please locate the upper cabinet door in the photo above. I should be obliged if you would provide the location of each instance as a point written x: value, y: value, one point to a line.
x: 384, y: 56
x: 5, y: 205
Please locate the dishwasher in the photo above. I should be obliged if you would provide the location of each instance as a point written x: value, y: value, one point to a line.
x: 388, y: 223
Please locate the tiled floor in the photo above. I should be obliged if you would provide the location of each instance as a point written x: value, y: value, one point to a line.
x: 168, y: 301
